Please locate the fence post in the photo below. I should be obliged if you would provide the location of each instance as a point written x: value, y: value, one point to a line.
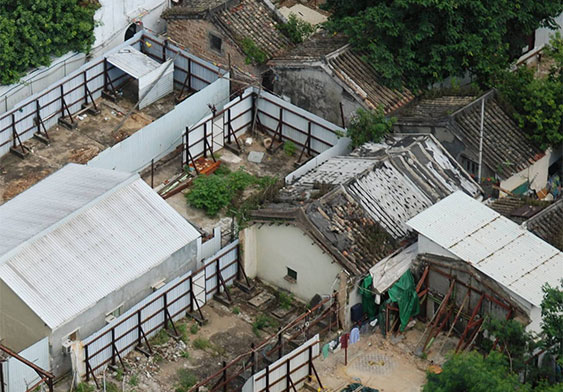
x: 191, y: 295
x: 86, y: 359
x: 113, y: 346
x: 205, y: 139
x: 165, y: 309
x: 2, y: 377
x: 309, y: 136
x: 164, y: 46
x: 224, y: 376
x: 139, y: 332
x: 253, y: 355
x: 280, y: 343
x: 38, y: 114
x: 228, y: 125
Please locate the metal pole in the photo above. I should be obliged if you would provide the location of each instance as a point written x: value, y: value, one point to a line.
x: 481, y: 140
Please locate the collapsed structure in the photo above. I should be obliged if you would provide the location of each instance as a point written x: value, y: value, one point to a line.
x: 348, y: 213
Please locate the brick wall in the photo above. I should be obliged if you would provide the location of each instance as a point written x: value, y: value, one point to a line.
x: 194, y: 35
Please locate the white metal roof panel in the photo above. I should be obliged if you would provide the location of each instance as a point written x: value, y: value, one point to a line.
x: 387, y: 271
x: 133, y: 62
x: 51, y: 200
x: 95, y: 251
x: 495, y: 245
x: 337, y: 171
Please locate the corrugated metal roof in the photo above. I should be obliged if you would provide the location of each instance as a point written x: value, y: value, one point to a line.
x: 492, y: 243
x: 387, y: 271
x: 133, y: 62
x: 51, y: 200
x: 95, y: 249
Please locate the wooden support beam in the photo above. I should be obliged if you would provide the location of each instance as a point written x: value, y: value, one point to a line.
x: 468, y: 326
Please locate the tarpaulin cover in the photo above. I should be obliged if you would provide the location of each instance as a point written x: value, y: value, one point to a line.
x: 358, y: 388
x: 368, y: 298
x: 404, y: 294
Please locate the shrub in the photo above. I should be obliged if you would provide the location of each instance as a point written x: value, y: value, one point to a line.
x: 285, y: 299
x: 186, y: 379
x: 201, y: 344
x: 253, y: 53
x: 262, y: 322
x: 297, y: 30
x: 369, y: 126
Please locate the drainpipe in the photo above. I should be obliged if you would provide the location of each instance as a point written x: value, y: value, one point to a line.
x: 481, y: 139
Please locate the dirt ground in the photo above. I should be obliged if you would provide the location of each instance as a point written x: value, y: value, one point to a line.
x: 274, y: 164
x: 201, y: 350
x: 92, y: 135
x: 387, y: 364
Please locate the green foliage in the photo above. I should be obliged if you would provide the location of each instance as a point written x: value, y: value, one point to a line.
x: 201, y: 344
x: 186, y: 380
x: 85, y: 387
x: 285, y: 299
x: 471, y: 372
x: 254, y: 55
x: 289, y: 148
x: 185, y: 354
x: 31, y: 31
x: 419, y: 42
x: 183, y: 332
x: 111, y: 387
x: 119, y: 374
x: 194, y: 328
x: 538, y: 102
x: 134, y: 380
x: 369, y: 126
x: 236, y: 310
x: 216, y: 191
x: 297, y: 30
x: 262, y: 322
x: 516, y: 343
x: 158, y: 358
x: 552, y: 318
x: 160, y: 338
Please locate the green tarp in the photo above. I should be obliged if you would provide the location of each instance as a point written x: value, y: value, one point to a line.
x: 403, y: 292
x: 368, y: 298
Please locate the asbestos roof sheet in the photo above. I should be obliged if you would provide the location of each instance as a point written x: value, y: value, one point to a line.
x: 133, y: 62
x: 393, y: 181
x: 386, y: 272
x: 493, y: 244
x: 116, y: 231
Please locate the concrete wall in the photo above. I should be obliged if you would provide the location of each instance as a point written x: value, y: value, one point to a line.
x: 93, y: 319
x: 316, y: 91
x: 536, y: 174
x: 20, y: 327
x: 268, y: 250
x: 194, y: 35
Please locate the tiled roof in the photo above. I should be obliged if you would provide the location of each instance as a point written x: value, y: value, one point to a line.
x: 340, y: 226
x: 350, y: 67
x: 253, y: 19
x: 548, y: 224
x: 518, y: 209
x: 192, y: 7
x: 432, y: 108
x: 315, y: 47
x: 506, y: 149
x: 392, y: 181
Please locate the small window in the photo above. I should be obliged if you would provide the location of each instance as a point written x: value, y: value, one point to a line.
x: 469, y: 165
x: 291, y: 275
x: 114, y: 314
x: 73, y: 336
x: 215, y: 42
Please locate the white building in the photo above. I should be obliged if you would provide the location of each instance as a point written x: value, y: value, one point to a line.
x: 80, y: 247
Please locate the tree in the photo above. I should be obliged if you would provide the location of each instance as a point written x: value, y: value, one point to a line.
x: 296, y: 29
x: 552, y: 319
x: 538, y: 101
x: 419, y: 42
x: 471, y: 372
x: 368, y: 126
x: 31, y: 31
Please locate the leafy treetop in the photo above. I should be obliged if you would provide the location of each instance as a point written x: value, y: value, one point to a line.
x: 31, y: 31
x: 368, y: 126
x: 420, y: 42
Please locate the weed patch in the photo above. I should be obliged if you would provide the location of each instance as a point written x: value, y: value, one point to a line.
x: 201, y: 344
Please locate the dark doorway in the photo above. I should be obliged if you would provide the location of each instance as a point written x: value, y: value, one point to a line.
x: 131, y: 31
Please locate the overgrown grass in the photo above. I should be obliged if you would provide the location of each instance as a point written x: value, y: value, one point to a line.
x: 201, y: 344
x: 262, y: 322
x: 236, y: 310
x: 185, y: 354
x: 214, y: 192
x: 194, y: 328
x: 134, y: 380
x: 183, y: 332
x: 85, y: 387
x: 186, y: 380
x: 160, y: 338
x: 254, y: 55
x: 289, y: 148
x: 119, y: 374
x: 111, y: 387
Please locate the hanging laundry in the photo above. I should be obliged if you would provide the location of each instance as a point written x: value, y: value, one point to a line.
x: 354, y: 335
